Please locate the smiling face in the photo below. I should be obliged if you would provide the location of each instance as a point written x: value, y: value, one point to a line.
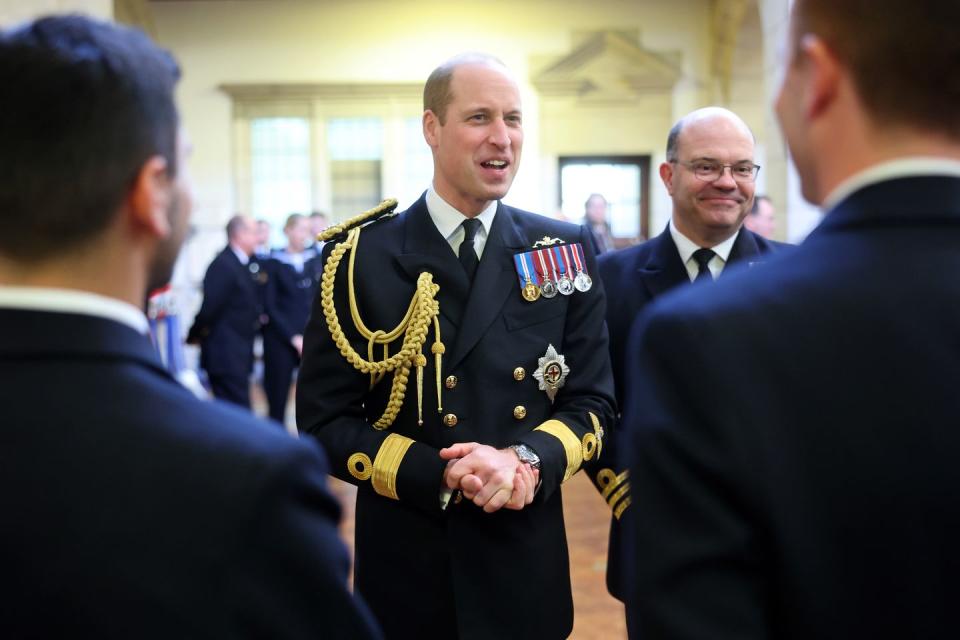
x: 710, y: 212
x: 476, y: 150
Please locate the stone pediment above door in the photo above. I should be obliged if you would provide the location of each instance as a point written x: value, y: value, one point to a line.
x: 606, y: 66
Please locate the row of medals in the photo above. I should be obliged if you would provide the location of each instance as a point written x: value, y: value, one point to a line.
x: 565, y: 286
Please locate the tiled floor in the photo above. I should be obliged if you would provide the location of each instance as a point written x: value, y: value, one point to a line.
x: 597, y: 616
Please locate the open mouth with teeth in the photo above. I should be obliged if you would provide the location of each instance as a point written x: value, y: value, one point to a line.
x: 494, y: 164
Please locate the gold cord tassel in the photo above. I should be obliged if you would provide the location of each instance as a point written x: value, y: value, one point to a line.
x: 412, y: 329
x: 421, y: 361
x: 437, y: 349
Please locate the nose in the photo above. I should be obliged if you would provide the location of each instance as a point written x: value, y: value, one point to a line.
x: 726, y: 181
x: 499, y: 134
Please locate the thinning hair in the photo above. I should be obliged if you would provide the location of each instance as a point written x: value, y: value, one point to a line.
x: 437, y: 94
x: 673, y: 138
x: 903, y: 57
x: 86, y: 103
x: 234, y: 224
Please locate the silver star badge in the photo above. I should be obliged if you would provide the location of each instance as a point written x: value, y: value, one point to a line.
x: 552, y: 372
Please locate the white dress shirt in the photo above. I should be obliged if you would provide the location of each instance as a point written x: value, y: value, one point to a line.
x: 686, y: 247
x: 448, y: 222
x: 73, y: 301
x: 911, y: 166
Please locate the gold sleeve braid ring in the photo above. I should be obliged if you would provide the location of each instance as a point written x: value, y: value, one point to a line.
x: 423, y: 311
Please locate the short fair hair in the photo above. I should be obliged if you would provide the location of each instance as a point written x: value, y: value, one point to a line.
x: 437, y: 94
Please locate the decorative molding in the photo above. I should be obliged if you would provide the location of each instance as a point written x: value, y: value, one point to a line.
x: 135, y: 13
x: 607, y: 66
x: 726, y: 20
x: 326, y: 92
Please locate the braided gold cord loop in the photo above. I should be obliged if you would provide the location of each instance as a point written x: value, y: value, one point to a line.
x: 420, y: 314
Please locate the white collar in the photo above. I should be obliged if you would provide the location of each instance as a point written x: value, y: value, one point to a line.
x: 448, y: 219
x: 686, y: 246
x: 900, y: 168
x: 73, y: 301
x: 241, y: 256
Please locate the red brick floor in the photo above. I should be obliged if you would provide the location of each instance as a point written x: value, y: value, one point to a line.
x: 597, y: 615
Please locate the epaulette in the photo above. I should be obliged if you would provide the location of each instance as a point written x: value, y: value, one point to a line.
x: 338, y: 232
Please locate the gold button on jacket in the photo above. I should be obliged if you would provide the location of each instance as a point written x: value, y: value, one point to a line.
x: 450, y: 420
x: 519, y: 373
x: 519, y: 412
x: 450, y: 382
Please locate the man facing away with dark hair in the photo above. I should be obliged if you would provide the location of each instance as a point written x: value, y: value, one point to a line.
x: 794, y: 428
x: 130, y: 508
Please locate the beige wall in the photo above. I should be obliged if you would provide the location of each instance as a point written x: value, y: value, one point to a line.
x: 401, y: 41
x: 12, y: 11
x: 396, y: 41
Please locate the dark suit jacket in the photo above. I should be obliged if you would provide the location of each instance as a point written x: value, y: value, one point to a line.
x: 133, y: 510
x: 420, y: 568
x: 634, y: 277
x: 289, y: 295
x: 793, y: 435
x: 228, y: 319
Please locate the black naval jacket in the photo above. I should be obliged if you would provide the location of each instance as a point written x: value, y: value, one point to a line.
x: 639, y: 275
x: 420, y: 567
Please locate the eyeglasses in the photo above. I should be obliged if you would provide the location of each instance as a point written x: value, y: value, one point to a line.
x: 708, y: 170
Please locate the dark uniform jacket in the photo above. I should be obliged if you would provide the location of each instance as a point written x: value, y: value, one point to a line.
x: 288, y: 296
x: 131, y: 509
x: 633, y: 278
x: 795, y: 440
x: 228, y: 319
x: 429, y: 573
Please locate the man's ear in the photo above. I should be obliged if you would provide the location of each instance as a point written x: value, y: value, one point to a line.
x: 431, y: 127
x: 666, y: 174
x: 822, y: 77
x: 150, y: 197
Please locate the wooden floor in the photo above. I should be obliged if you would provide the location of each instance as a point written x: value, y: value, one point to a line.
x: 597, y: 615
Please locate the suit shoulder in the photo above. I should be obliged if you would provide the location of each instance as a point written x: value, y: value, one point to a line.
x: 630, y: 258
x: 765, y: 245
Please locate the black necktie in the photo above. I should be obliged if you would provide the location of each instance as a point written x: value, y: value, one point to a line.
x: 703, y: 257
x: 468, y: 256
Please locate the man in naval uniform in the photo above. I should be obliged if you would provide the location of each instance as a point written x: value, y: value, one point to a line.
x: 522, y: 396
x: 229, y: 318
x: 710, y: 175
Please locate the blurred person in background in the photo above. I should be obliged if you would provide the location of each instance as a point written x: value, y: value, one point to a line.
x: 230, y: 315
x: 292, y: 276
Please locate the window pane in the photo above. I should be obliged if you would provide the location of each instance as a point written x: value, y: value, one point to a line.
x: 280, y: 172
x: 355, y: 185
x: 355, y: 148
x: 355, y: 138
x: 417, y: 163
x: 618, y: 183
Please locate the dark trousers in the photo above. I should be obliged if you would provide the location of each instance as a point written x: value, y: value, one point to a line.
x: 280, y: 360
x: 232, y: 388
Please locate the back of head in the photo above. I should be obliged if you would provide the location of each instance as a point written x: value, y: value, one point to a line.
x: 903, y: 56
x: 86, y: 104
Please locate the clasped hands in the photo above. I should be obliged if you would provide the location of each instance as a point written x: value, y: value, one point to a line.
x: 491, y: 478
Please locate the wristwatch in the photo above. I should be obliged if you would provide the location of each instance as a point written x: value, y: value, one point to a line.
x: 526, y: 454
